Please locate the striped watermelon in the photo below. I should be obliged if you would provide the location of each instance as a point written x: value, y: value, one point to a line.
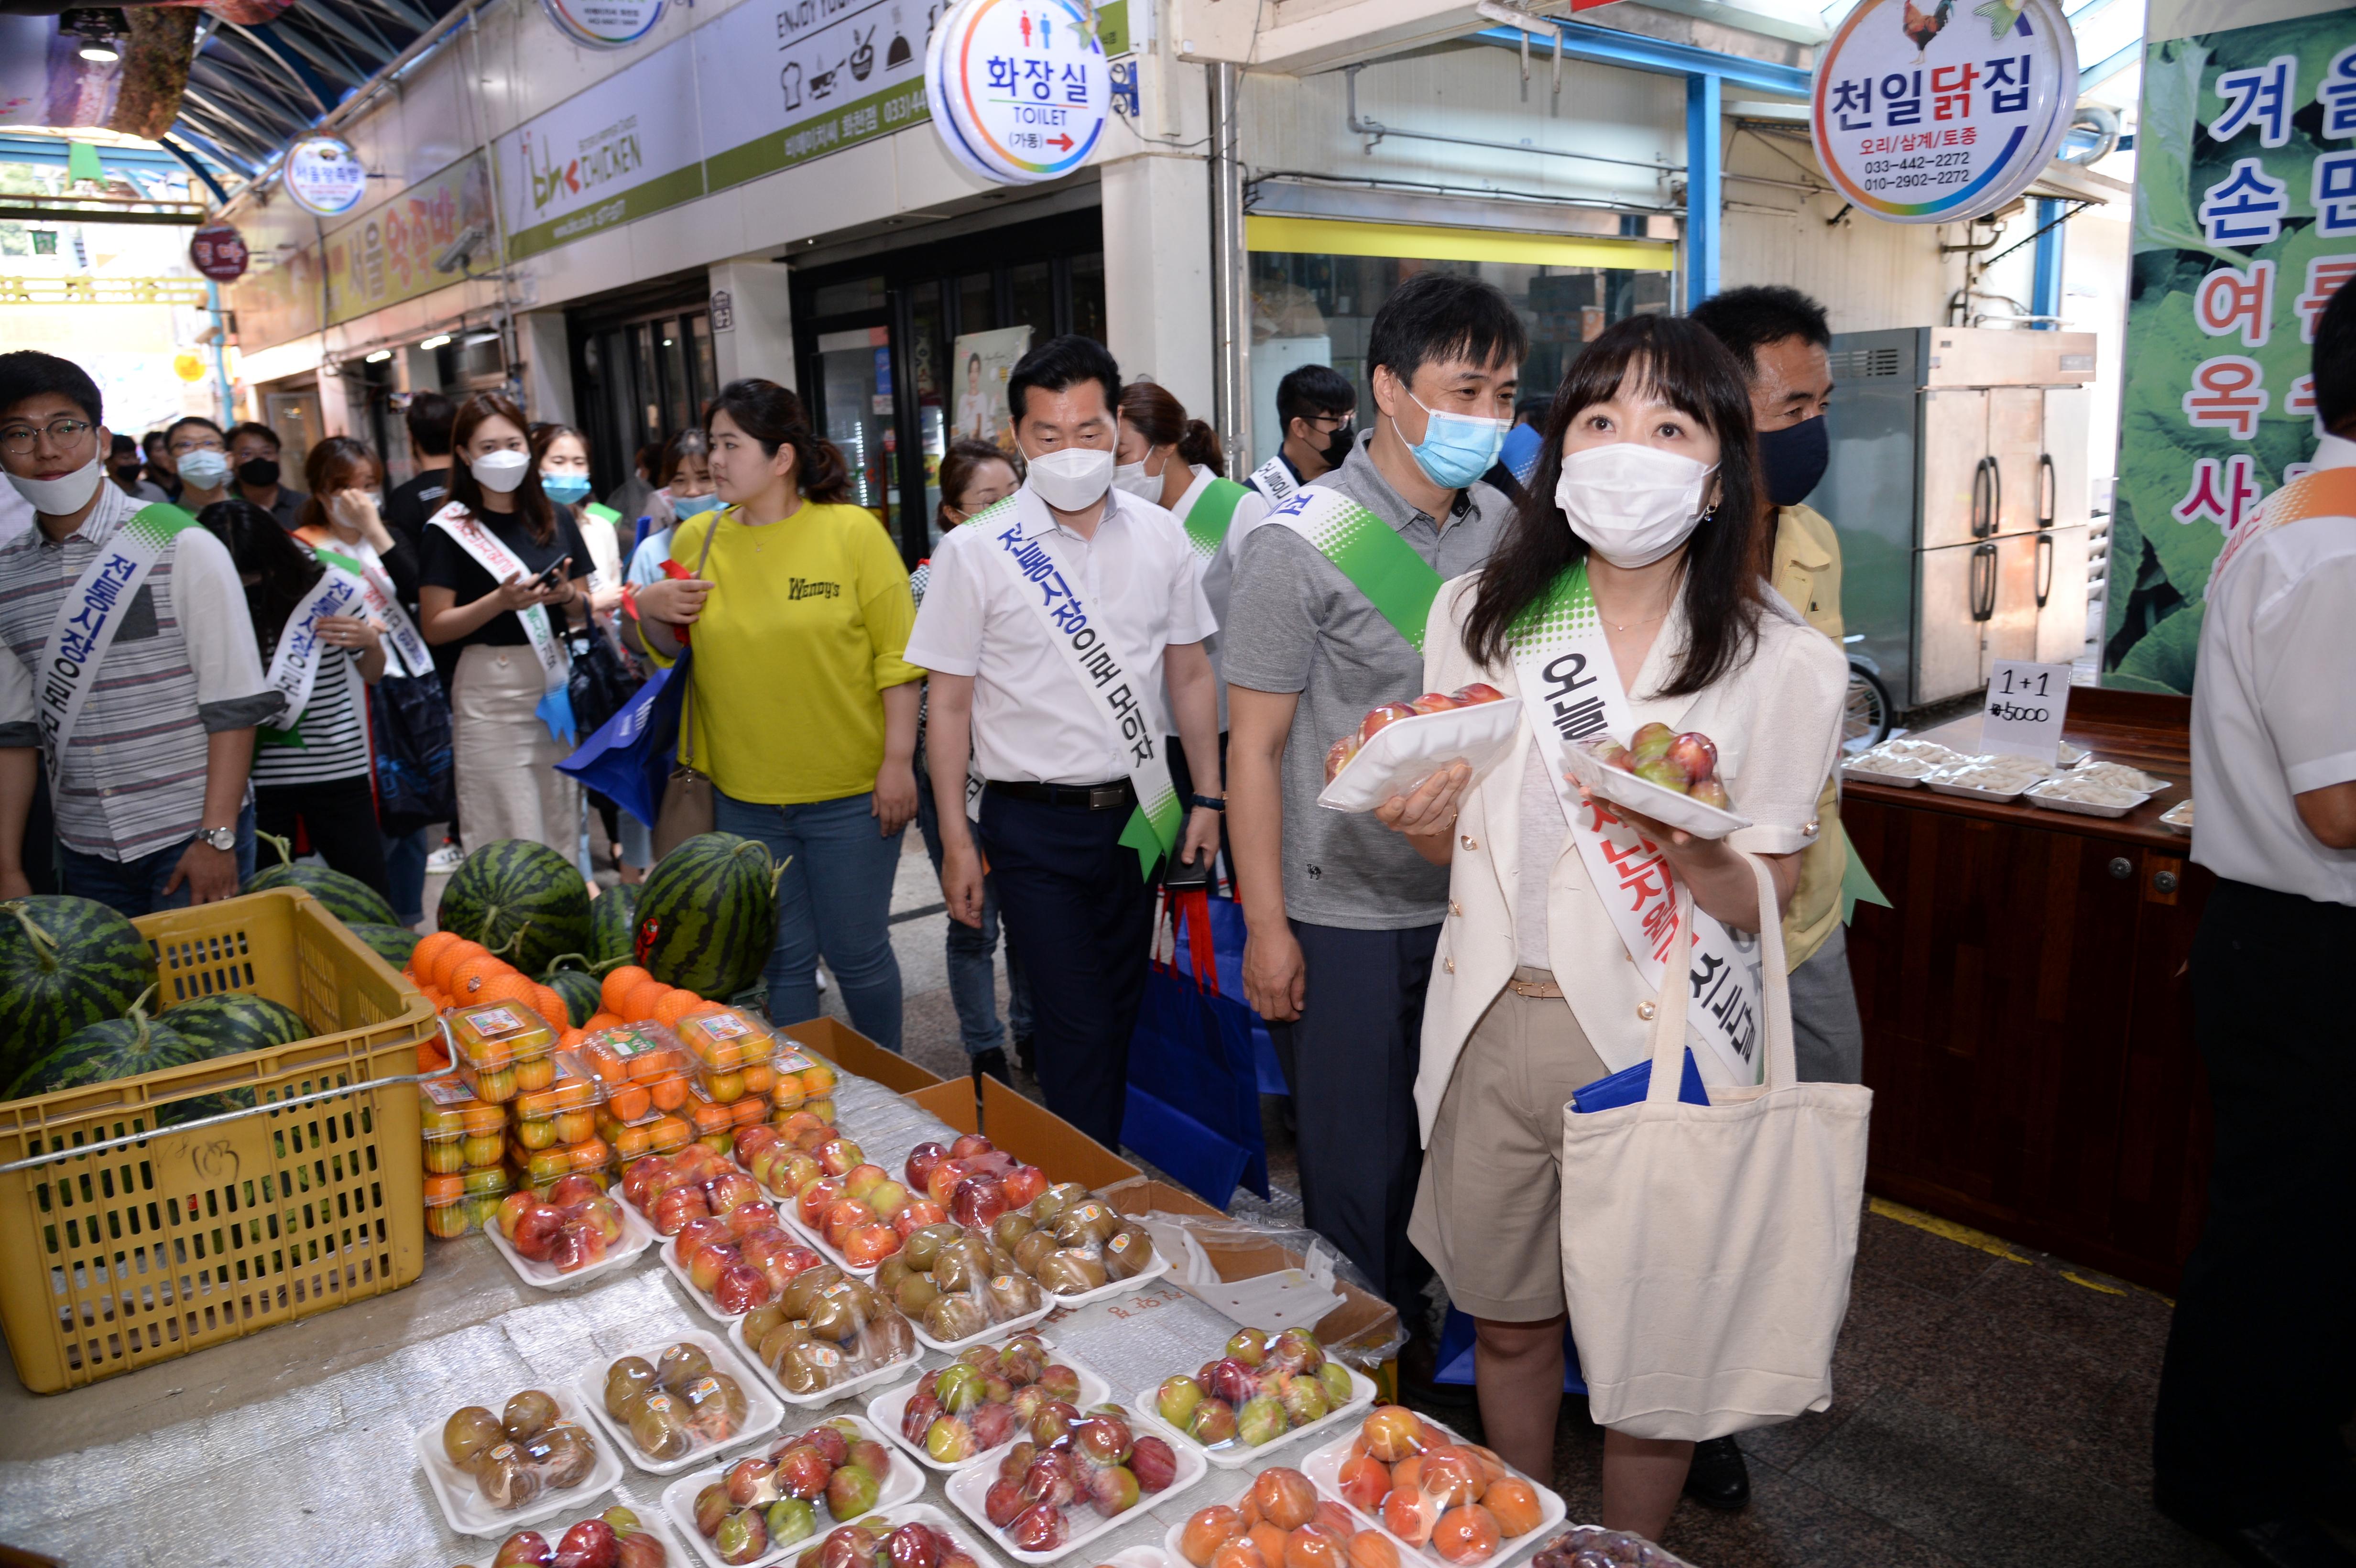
x: 614, y: 923
x: 708, y: 915
x: 348, y: 898
x: 65, y: 964
x: 523, y: 900
x: 237, y: 1021
x: 104, y: 1051
x: 393, y: 944
x: 580, y: 991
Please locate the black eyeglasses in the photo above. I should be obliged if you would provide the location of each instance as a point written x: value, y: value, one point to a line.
x: 18, y: 440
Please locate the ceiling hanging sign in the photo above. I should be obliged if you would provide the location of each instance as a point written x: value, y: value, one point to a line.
x: 1020, y: 87
x: 324, y: 176
x: 218, y: 252
x: 1936, y: 114
x: 603, y: 24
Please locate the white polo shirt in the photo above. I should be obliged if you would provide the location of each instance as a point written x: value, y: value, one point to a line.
x: 2274, y: 708
x: 1138, y: 579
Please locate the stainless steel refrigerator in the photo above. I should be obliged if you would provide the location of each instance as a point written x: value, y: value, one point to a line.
x: 1958, y: 485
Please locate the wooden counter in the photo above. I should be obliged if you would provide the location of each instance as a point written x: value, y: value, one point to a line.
x: 2028, y: 1023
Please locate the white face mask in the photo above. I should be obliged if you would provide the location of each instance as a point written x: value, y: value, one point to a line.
x: 204, y: 469
x: 1631, y: 503
x: 1071, y: 478
x: 500, y: 471
x: 56, y: 497
x: 1133, y: 478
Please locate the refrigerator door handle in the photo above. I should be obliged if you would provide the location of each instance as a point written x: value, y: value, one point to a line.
x: 1987, y: 496
x: 1983, y: 582
x: 2048, y: 488
x: 2044, y: 568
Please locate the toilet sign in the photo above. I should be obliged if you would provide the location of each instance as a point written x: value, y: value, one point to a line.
x: 1019, y: 87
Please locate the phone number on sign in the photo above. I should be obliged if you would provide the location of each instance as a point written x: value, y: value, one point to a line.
x: 1936, y: 161
x: 1918, y: 182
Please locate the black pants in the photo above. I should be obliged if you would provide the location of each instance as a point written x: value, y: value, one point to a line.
x: 2261, y: 1366
x: 338, y: 818
x: 1079, y: 915
x: 1350, y: 1060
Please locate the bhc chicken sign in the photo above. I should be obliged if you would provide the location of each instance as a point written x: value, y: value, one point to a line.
x: 1933, y: 113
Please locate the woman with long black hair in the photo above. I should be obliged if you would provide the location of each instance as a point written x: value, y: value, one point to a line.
x: 1626, y: 592
x: 503, y: 572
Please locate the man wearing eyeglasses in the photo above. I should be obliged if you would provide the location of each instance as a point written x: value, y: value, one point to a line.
x: 129, y: 667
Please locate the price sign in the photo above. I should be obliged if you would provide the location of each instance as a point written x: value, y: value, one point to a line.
x: 2022, y: 716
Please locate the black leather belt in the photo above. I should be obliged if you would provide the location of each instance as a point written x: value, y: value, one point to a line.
x: 1087, y: 797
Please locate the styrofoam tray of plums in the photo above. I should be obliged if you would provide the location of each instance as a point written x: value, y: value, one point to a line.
x: 914, y: 1535
x: 1045, y: 1500
x: 762, y: 1506
x: 672, y: 1403
x: 1592, y: 1546
x: 984, y: 1400
x: 624, y: 1536
x: 1669, y: 777
x: 1308, y: 1527
x: 1260, y: 1393
x: 1448, y: 1503
x: 1400, y: 744
x: 1080, y: 1247
x: 826, y: 1337
x: 493, y: 1471
x: 573, y: 1236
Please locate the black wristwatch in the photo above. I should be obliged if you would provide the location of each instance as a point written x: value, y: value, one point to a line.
x: 1209, y: 802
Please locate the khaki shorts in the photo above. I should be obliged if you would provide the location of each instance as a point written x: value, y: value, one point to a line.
x: 1489, y: 1205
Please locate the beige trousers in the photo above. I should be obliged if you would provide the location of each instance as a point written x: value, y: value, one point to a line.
x: 505, y: 759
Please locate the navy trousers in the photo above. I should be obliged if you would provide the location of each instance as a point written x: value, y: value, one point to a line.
x: 1079, y: 916
x: 1350, y: 1059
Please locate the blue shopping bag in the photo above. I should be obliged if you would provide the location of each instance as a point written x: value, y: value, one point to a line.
x: 1225, y: 919
x: 1194, y: 1086
x: 630, y: 758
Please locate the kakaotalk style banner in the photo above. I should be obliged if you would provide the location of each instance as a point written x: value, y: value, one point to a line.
x: 2244, y: 225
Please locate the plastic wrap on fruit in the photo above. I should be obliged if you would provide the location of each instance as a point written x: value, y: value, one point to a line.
x: 715, y: 1406
x: 565, y: 1454
x: 1592, y: 1546
x: 505, y: 1478
x: 469, y: 1432
x: 1261, y: 1387
x: 1687, y: 762
x: 658, y: 1426
x: 1458, y: 1501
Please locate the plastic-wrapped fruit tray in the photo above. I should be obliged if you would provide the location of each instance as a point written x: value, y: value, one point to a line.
x: 463, y: 1504
x: 904, y: 1484
x: 702, y: 1299
x: 637, y: 1237
x: 763, y: 1413
x: 844, y: 1389
x: 1154, y: 1270
x: 995, y: 1331
x: 1406, y: 751
x: 886, y: 1408
x: 1235, y: 1455
x: 969, y: 1487
x: 826, y: 1249
x: 1323, y: 1468
x: 1144, y: 1557
x: 1658, y: 802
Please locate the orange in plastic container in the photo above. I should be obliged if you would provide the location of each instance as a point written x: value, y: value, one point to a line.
x: 668, y: 1134
x: 727, y: 1038
x: 711, y: 1118
x: 572, y: 1088
x: 493, y: 1035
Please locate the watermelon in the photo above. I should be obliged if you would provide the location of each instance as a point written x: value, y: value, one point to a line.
x: 708, y: 915
x: 393, y: 944
x: 348, y: 898
x: 614, y: 923
x: 580, y: 991
x: 523, y: 900
x: 65, y: 964
x: 237, y: 1021
x: 106, y: 1051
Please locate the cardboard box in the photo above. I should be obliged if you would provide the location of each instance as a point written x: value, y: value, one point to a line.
x: 855, y: 1053
x: 1361, y: 1315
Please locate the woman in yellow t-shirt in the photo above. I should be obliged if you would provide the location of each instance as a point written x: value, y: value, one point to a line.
x: 804, y: 710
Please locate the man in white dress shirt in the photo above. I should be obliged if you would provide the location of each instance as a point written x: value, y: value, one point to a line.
x: 2260, y: 1374
x: 1049, y: 626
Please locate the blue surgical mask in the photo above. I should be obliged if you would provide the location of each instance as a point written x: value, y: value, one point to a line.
x: 564, y: 490
x: 692, y: 505
x: 1456, y: 449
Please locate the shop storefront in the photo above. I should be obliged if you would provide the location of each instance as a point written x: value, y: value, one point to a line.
x: 643, y: 368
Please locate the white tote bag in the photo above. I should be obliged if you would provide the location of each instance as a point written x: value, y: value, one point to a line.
x: 1706, y: 1249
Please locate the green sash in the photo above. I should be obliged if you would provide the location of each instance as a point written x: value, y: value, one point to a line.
x: 1369, y: 552
x: 1213, y: 513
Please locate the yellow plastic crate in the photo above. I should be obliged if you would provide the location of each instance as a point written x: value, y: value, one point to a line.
x: 182, y: 1239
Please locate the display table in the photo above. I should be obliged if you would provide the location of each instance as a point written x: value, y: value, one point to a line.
x: 2028, y: 1020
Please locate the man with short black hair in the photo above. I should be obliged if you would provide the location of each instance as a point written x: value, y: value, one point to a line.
x: 1049, y: 623
x: 1344, y: 915
x: 2260, y: 1376
x: 254, y: 453
x: 429, y: 418
x: 1316, y: 403
x: 160, y: 471
x: 123, y: 465
x: 129, y: 667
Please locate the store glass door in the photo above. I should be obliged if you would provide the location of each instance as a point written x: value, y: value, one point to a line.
x: 861, y: 419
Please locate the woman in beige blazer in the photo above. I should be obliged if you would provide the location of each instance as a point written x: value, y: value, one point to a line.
x: 1649, y: 482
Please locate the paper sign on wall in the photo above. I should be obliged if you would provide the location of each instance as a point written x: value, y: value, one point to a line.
x: 2025, y: 706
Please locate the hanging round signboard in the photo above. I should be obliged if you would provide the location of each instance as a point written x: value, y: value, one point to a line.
x: 1937, y: 113
x: 324, y: 176
x: 218, y: 252
x: 1022, y: 86
x: 603, y: 24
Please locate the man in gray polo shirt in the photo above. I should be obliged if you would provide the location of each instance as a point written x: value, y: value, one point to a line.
x: 1344, y: 914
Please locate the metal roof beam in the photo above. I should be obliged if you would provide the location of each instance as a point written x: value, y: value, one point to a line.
x: 1635, y: 51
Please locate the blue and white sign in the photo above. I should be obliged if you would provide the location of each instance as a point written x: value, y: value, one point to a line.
x: 324, y: 176
x: 603, y: 24
x: 1020, y: 87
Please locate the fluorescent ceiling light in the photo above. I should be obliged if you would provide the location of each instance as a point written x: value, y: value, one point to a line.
x: 436, y: 342
x: 379, y: 357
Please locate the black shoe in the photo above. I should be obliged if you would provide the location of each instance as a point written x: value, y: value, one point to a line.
x: 1022, y: 1054
x: 1718, y: 1479
x: 990, y: 1063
